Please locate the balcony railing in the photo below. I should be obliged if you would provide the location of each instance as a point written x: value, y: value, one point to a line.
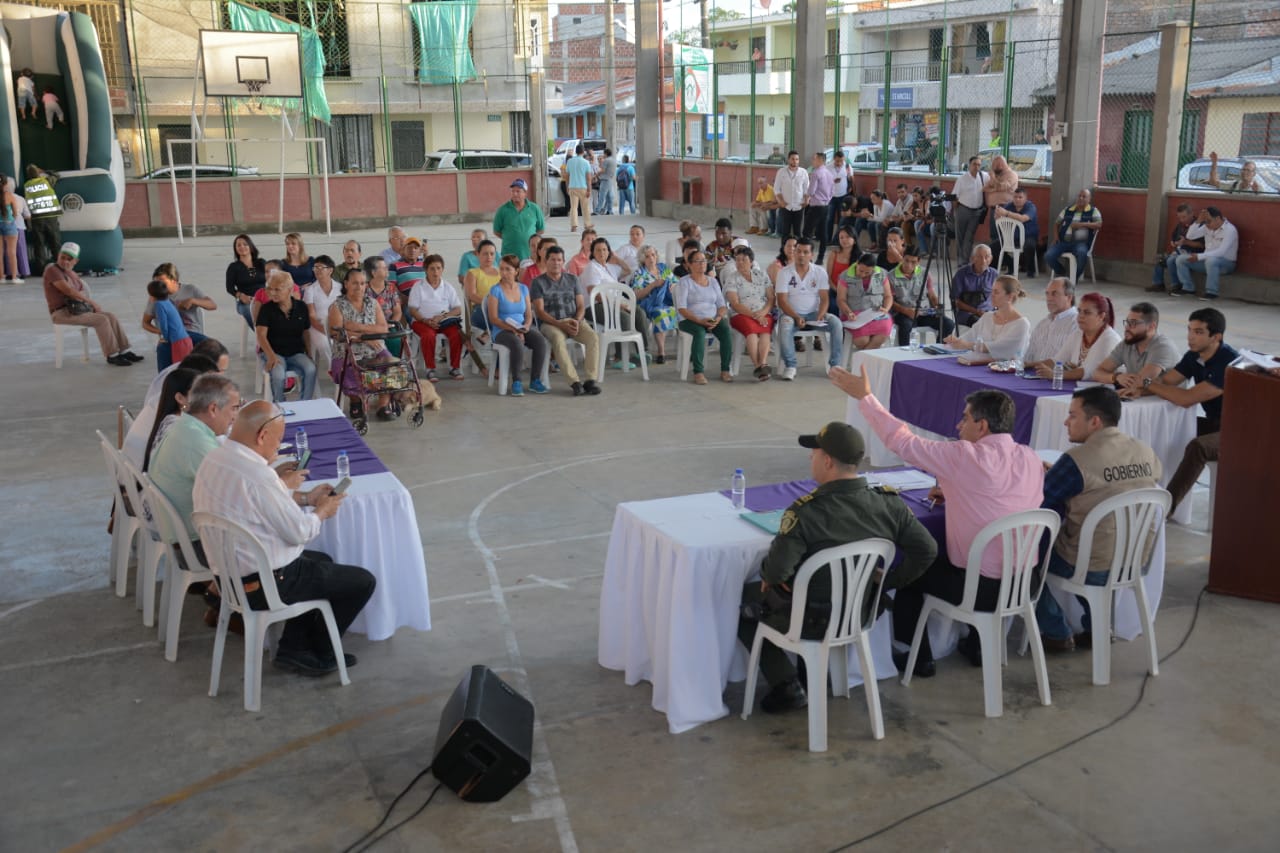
x: 760, y: 66
x: 920, y: 72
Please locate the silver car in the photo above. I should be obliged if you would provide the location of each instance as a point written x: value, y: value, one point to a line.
x: 1195, y: 175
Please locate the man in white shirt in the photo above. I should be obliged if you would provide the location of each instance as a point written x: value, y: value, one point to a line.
x: 970, y: 202
x: 1051, y: 334
x: 804, y: 292
x: 791, y: 187
x: 1221, y: 245
x: 629, y: 253
x: 841, y: 186
x: 236, y: 482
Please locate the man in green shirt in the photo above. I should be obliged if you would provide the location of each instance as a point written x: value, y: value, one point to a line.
x: 517, y: 221
x: 842, y: 509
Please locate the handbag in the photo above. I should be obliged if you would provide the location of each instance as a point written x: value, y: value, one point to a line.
x: 76, y: 307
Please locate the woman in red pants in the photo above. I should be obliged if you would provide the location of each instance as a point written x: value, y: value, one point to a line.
x: 436, y: 310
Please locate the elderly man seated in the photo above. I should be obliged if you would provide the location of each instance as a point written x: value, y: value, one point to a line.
x: 971, y: 286
x: 1218, y: 258
x: 236, y: 482
x: 1054, y: 330
x: 70, y: 304
x: 1077, y: 227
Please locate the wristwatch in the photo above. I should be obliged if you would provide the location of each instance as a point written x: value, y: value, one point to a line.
x: 1146, y: 383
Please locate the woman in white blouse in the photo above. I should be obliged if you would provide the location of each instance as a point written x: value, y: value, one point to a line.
x: 1000, y: 334
x: 319, y: 298
x: 702, y: 309
x: 1089, y: 345
x: 604, y: 266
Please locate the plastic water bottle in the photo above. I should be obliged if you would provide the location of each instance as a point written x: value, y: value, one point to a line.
x: 300, y: 442
x: 1057, y: 376
x: 739, y: 490
x: 979, y: 345
x: 914, y: 340
x: 344, y: 465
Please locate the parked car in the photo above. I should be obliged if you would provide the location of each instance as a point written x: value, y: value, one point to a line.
x: 1031, y: 162
x: 449, y: 159
x: 565, y: 149
x: 1195, y: 175
x: 557, y: 202
x: 865, y: 155
x: 203, y: 170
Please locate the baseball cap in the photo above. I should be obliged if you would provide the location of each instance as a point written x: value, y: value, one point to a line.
x: 739, y: 241
x: 839, y: 440
x: 70, y: 249
x: 416, y: 240
x: 521, y: 183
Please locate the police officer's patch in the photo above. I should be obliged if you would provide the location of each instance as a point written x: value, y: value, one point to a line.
x: 788, y: 522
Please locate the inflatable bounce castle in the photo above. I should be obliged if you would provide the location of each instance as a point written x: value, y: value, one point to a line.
x: 61, y: 48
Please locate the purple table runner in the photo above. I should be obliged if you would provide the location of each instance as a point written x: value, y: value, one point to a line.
x: 327, y: 436
x: 930, y: 394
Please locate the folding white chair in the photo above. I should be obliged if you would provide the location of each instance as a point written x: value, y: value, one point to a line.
x: 807, y: 334
x: 233, y: 552
x: 60, y: 329
x: 1137, y: 516
x: 851, y: 568
x: 125, y: 525
x: 1070, y: 258
x: 1012, y: 234
x: 1019, y: 536
x: 617, y: 312
x: 177, y: 577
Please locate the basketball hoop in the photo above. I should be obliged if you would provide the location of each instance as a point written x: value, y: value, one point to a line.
x: 254, y: 88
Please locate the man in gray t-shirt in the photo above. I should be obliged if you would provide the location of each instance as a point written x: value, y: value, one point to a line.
x: 559, y: 303
x: 1143, y: 355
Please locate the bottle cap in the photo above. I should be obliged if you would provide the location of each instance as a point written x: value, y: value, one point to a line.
x: 737, y: 470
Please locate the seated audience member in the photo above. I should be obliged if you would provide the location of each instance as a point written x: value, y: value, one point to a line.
x: 1022, y: 209
x: 408, y: 271
x: 761, y: 215
x: 162, y: 317
x: 538, y: 267
x: 720, y: 250
x: 842, y: 509
x: 1103, y: 463
x: 786, y: 255
x: 235, y: 482
x: 173, y: 402
x: 350, y: 260
x: 915, y: 302
x: 701, y: 306
x: 261, y: 298
x: 605, y: 267
x: 804, y: 297
x: 471, y: 259
x: 751, y: 299
x: 436, y: 310
x: 245, y: 275
x: 209, y: 355
x: 511, y: 319
x: 354, y: 314
x: 576, y: 264
x: 559, y: 303
x: 1143, y: 354
x: 654, y: 284
x: 628, y: 254
x: 1094, y: 339
x: 281, y: 325
x: 1205, y: 364
x: 876, y: 218
x: 480, y: 278
x: 971, y: 286
x: 689, y: 230
x: 865, y: 298
x: 891, y: 255
x: 844, y: 253
x: 190, y: 301
x: 1053, y: 331
x: 683, y: 268
x: 1179, y: 244
x: 70, y: 304
x: 1077, y: 228
x: 984, y: 477
x: 1218, y: 258
x: 319, y: 297
x: 1000, y: 334
x: 387, y: 297
x: 395, y: 242
x: 296, y: 262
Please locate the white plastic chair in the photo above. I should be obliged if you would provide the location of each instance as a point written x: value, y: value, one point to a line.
x: 151, y: 545
x: 500, y: 362
x: 177, y: 580
x: 806, y: 334
x: 233, y: 552
x: 1137, y: 515
x: 852, y: 566
x: 1020, y: 536
x: 617, y: 311
x: 1012, y: 234
x: 1212, y: 468
x: 1071, y: 263
x: 244, y: 340
x: 60, y: 329
x: 125, y: 525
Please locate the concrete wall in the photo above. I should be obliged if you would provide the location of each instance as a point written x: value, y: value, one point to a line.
x: 1227, y: 115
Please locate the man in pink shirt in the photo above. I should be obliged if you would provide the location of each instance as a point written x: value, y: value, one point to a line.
x: 983, y: 477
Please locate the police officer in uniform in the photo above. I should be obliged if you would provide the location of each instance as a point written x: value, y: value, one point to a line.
x: 46, y: 210
x: 842, y: 509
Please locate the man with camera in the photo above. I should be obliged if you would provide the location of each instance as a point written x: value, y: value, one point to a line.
x: 842, y: 509
x: 1179, y: 244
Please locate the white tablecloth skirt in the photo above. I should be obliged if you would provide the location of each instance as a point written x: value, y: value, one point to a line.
x: 670, y: 599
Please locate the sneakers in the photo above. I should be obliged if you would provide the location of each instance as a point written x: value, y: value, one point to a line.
x: 576, y: 388
x: 788, y: 373
x: 119, y: 361
x: 537, y: 387
x: 455, y: 373
x: 1209, y: 297
x: 517, y: 388
x: 590, y: 387
x: 788, y: 696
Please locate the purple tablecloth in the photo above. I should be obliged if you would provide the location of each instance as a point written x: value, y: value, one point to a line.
x: 775, y: 496
x: 930, y: 394
x: 327, y: 436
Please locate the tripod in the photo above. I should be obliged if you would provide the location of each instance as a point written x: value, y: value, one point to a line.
x: 939, y: 250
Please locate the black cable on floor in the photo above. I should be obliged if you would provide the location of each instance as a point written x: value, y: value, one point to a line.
x: 392, y: 829
x: 1141, y: 693
x: 391, y: 808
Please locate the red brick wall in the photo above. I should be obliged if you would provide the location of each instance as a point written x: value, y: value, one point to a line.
x: 213, y: 200
x: 261, y: 199
x: 358, y: 196
x: 136, y: 212
x: 487, y: 191
x: 1253, y: 218
x: 424, y: 195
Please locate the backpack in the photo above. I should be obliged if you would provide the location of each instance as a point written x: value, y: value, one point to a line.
x: 624, y: 178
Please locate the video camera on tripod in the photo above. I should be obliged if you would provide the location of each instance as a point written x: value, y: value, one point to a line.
x: 937, y: 210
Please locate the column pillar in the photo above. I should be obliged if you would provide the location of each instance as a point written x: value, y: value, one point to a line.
x: 1166, y: 132
x: 807, y: 75
x: 1079, y: 99
x: 648, y: 99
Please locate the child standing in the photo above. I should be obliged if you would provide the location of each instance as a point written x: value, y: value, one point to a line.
x: 175, y: 344
x: 51, y: 108
x: 26, y: 92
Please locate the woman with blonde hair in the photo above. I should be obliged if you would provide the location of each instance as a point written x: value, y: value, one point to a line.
x: 296, y: 262
x: 1000, y: 334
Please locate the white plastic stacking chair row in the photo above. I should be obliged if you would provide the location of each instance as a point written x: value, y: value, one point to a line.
x: 1138, y: 516
x: 151, y: 545
x: 1072, y: 272
x: 851, y: 567
x: 60, y: 329
x: 617, y: 310
x: 808, y: 335
x: 684, y: 351
x: 177, y: 580
x: 1012, y: 234
x: 1020, y: 538
x: 233, y: 552
x: 125, y: 526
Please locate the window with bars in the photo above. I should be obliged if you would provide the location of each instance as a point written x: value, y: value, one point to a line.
x: 833, y: 42
x: 327, y: 17
x: 349, y: 140
x: 1259, y: 134
x: 408, y: 145
x: 564, y: 127
x: 749, y: 129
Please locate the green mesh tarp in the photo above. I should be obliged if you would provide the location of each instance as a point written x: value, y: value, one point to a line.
x: 250, y: 19
x: 443, y: 28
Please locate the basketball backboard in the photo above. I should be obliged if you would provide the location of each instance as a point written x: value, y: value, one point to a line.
x: 261, y: 65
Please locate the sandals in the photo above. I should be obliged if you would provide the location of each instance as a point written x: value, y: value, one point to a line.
x: 456, y: 374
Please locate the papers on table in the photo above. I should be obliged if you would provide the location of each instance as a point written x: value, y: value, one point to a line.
x: 1252, y: 358
x: 766, y: 521
x: 939, y: 349
x: 904, y: 481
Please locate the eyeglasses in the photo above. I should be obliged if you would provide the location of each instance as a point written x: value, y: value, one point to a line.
x: 1130, y: 324
x: 268, y: 421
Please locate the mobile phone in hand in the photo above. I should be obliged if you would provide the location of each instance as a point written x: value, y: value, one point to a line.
x: 342, y: 486
x: 304, y: 458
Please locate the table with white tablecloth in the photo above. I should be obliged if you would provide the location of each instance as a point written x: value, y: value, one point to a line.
x: 670, y: 598
x: 375, y: 528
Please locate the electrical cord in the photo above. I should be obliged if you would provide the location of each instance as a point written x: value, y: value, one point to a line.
x: 1006, y: 774
x: 392, y: 829
x: 391, y: 808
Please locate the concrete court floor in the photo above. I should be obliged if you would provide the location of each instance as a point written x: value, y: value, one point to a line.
x: 108, y: 746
